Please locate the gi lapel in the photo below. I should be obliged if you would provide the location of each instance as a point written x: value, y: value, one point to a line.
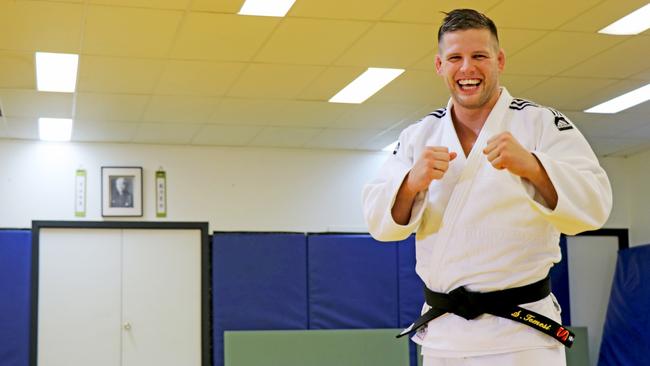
x: 493, y: 125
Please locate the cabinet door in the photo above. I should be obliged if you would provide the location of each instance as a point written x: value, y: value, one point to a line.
x: 161, y: 297
x: 79, y: 297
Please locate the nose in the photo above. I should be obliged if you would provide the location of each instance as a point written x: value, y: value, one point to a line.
x: 467, y: 67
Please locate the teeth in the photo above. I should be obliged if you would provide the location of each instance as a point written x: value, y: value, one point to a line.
x: 469, y: 81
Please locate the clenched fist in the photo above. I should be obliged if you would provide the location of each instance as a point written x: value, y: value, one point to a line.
x: 432, y: 164
x: 503, y: 151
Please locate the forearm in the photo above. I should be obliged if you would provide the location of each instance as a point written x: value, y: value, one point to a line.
x: 542, y: 183
x: 403, y: 205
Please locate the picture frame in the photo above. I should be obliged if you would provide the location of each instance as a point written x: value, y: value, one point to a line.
x: 121, y: 191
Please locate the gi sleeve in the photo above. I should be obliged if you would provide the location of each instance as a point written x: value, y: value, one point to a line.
x: 583, y: 189
x: 379, y: 196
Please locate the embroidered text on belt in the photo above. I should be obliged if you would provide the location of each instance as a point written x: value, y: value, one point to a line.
x: 504, y: 303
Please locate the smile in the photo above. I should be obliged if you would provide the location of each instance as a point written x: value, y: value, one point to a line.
x: 468, y: 84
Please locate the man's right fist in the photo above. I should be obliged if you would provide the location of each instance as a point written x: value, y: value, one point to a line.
x: 432, y: 164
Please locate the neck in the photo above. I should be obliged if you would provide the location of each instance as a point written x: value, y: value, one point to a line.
x: 473, y: 119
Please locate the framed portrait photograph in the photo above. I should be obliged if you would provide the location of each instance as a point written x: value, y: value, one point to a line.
x: 121, y: 191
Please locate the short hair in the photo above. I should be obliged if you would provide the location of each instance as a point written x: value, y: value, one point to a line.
x: 462, y: 19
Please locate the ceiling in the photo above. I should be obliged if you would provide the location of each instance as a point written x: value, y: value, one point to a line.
x: 193, y: 72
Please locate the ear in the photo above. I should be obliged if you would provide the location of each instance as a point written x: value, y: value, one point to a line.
x: 501, y: 59
x: 438, y: 63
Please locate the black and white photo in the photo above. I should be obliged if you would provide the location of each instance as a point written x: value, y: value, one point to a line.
x: 121, y: 191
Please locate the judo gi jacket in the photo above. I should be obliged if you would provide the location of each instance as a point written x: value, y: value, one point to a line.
x: 488, y: 229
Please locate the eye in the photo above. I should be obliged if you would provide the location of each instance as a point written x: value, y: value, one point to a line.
x: 480, y: 57
x: 453, y: 58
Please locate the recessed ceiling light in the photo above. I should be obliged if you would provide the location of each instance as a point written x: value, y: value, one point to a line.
x: 633, y: 23
x: 55, y: 129
x: 390, y: 147
x: 367, y: 84
x: 625, y: 101
x: 56, y: 72
x: 266, y: 8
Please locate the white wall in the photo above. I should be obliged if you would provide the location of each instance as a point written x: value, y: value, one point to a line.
x: 232, y: 188
x: 638, y: 179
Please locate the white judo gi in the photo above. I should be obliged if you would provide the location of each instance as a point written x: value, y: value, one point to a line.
x: 487, y: 229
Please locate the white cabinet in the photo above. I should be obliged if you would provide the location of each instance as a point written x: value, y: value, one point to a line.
x: 120, y: 297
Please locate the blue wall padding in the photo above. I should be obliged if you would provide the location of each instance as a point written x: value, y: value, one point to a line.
x: 560, y: 283
x: 259, y: 282
x: 15, y: 270
x: 352, y: 282
x: 411, y: 294
x: 626, y: 334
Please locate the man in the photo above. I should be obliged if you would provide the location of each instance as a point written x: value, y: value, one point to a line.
x: 120, y: 196
x: 488, y: 184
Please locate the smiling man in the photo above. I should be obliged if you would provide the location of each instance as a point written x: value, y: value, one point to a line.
x: 488, y: 184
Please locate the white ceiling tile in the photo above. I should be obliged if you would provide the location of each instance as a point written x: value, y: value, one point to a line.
x: 111, y: 107
x: 137, y: 32
x: 164, y: 108
x: 274, y: 81
x: 32, y: 103
x: 277, y: 113
x: 227, y: 37
x: 618, y: 147
x: 603, y: 14
x: 199, y: 78
x: 156, y: 4
x: 427, y: 11
x: 330, y: 82
x: 341, y: 9
x: 515, y: 40
x: 40, y: 26
x: 383, y: 139
x: 557, y: 52
x: 310, y: 41
x: 284, y: 136
x: 537, y: 14
x: 17, y: 70
x: 518, y: 84
x: 390, y: 45
x: 643, y: 75
x: 610, y: 64
x: 566, y: 93
x: 166, y: 133
x: 22, y: 128
x: 247, y: 111
x: 414, y: 86
x: 614, y: 90
x: 342, y: 139
x: 221, y: 6
x: 118, y: 74
x: 226, y: 135
x: 377, y: 116
x: 103, y: 131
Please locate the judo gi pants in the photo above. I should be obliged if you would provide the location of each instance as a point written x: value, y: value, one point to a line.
x: 534, y: 357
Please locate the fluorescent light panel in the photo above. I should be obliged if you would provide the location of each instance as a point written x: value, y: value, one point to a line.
x: 624, y: 101
x: 55, y: 129
x: 633, y: 23
x: 56, y: 72
x: 367, y: 84
x: 266, y: 8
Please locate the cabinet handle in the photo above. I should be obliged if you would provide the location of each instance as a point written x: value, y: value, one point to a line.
x: 127, y: 326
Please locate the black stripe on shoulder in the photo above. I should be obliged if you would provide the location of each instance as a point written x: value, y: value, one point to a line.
x: 519, y: 104
x: 438, y: 113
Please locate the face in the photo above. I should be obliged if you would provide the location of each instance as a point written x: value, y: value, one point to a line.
x: 470, y: 63
x: 120, y: 184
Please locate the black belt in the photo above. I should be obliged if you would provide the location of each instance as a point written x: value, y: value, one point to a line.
x: 504, y: 303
